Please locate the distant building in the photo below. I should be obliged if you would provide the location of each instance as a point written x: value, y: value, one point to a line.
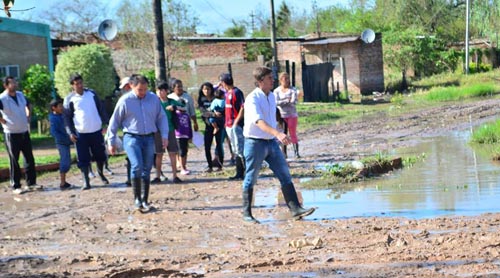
x: 22, y: 44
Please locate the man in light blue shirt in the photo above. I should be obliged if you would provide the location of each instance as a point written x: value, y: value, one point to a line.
x: 140, y: 114
x: 261, y: 143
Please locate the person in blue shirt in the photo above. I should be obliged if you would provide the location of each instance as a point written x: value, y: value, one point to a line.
x: 63, y: 142
x: 139, y: 114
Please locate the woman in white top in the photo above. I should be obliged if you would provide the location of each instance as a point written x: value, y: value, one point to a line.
x: 286, y: 99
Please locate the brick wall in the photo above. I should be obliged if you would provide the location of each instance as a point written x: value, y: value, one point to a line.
x: 23, y: 50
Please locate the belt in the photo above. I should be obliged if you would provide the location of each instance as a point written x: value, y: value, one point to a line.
x: 260, y: 139
x: 140, y: 135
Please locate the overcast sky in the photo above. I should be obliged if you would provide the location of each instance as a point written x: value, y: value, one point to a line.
x: 215, y: 15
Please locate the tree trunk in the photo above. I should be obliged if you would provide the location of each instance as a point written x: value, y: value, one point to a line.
x: 160, y: 72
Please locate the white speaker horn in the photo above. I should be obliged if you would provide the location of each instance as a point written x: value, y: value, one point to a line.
x: 107, y: 30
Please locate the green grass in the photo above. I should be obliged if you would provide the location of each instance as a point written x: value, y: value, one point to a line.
x: 487, y: 133
x: 441, y: 94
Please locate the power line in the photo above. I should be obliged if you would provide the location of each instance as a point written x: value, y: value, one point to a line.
x: 217, y: 11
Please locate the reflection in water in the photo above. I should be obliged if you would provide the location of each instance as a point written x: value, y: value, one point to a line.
x: 454, y: 179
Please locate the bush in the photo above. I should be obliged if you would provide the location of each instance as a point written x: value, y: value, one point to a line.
x: 37, y: 86
x: 487, y: 134
x: 93, y: 62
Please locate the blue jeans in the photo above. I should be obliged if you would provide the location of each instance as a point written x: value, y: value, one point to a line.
x: 258, y: 150
x: 65, y: 157
x: 235, y: 134
x: 140, y: 151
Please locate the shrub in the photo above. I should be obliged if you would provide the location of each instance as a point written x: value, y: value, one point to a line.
x: 37, y: 86
x: 487, y: 134
x: 93, y: 62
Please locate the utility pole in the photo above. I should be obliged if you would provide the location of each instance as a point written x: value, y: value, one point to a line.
x: 160, y: 68
x: 275, y: 66
x: 467, y: 36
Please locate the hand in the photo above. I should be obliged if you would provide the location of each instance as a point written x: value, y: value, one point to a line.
x: 112, y: 150
x: 3, y: 121
x: 218, y: 114
x: 283, y: 138
x: 195, y: 127
x: 164, y: 142
x: 170, y: 108
x: 73, y: 138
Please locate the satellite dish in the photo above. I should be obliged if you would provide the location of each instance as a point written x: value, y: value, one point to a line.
x: 107, y: 30
x: 368, y: 36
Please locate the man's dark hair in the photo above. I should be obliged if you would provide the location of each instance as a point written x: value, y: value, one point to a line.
x: 75, y: 77
x: 7, y: 79
x: 162, y: 85
x: 260, y: 72
x: 136, y: 79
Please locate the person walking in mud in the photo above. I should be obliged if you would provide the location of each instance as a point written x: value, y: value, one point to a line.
x: 15, y: 118
x: 140, y: 114
x: 83, y: 118
x: 261, y: 144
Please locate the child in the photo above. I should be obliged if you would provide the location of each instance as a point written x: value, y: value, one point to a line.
x: 217, y: 105
x: 63, y: 142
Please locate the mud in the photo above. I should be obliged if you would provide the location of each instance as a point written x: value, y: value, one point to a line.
x: 196, y: 229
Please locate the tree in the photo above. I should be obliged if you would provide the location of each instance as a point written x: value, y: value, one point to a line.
x: 283, y: 20
x: 73, y: 19
x: 93, y: 62
x: 159, y: 42
x: 237, y: 30
x: 37, y: 86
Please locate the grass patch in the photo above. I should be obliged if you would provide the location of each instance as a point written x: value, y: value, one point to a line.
x: 487, y: 134
x: 441, y: 94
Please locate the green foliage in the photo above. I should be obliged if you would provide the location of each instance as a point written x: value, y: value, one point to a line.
x: 150, y: 75
x: 487, y: 133
x: 237, y: 30
x: 460, y: 93
x: 475, y: 68
x: 93, y: 62
x: 37, y: 86
x: 408, y: 162
x: 398, y: 100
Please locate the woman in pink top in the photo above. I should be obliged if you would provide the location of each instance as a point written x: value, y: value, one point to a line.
x: 286, y: 99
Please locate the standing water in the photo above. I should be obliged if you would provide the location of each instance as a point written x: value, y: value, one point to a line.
x: 453, y: 179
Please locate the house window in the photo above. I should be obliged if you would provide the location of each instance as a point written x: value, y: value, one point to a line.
x: 9, y: 70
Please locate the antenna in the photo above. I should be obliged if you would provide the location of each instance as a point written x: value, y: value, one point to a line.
x: 368, y: 36
x: 107, y: 30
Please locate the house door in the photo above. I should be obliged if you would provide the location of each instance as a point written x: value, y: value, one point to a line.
x: 315, y: 80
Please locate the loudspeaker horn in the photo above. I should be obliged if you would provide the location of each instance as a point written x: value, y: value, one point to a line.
x: 107, y: 30
x: 368, y: 36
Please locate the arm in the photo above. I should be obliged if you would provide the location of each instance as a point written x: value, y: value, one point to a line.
x: 114, y: 124
x: 241, y: 112
x: 68, y: 114
x: 100, y: 108
x: 282, y: 137
x: 2, y: 120
x: 162, y: 125
x: 192, y: 113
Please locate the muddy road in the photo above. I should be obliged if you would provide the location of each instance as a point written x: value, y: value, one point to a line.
x: 196, y: 229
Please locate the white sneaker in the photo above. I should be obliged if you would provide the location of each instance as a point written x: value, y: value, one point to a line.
x: 17, y: 191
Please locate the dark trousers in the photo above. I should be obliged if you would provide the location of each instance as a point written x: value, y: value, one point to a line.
x: 90, y: 146
x: 209, y: 138
x: 15, y: 144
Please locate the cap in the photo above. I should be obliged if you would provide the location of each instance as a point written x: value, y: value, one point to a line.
x: 124, y: 82
x: 226, y: 78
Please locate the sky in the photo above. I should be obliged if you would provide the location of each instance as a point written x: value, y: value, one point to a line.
x: 215, y: 15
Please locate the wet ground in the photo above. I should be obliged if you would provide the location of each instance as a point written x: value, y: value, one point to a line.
x: 196, y: 228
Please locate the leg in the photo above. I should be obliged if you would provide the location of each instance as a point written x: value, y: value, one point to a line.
x: 13, y: 148
x: 292, y: 125
x: 183, y: 146
x: 278, y: 165
x: 208, y: 138
x: 148, y: 159
x: 64, y: 164
x: 158, y: 163
x: 83, y: 155
x: 134, y: 153
x: 254, y: 155
x: 29, y: 160
x: 98, y: 150
x: 219, y: 147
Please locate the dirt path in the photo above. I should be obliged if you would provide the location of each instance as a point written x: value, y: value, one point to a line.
x: 196, y: 229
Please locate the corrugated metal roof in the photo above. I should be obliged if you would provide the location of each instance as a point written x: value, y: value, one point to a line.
x: 332, y: 40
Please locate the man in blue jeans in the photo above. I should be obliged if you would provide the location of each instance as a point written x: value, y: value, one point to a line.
x: 140, y: 115
x: 261, y: 144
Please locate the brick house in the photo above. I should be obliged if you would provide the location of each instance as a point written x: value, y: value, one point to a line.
x: 22, y: 44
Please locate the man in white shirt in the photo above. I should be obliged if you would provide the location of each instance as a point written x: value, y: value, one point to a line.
x: 261, y: 144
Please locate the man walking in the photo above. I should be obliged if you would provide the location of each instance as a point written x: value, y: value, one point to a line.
x: 15, y: 117
x: 140, y: 114
x: 83, y: 117
x: 261, y: 144
x: 235, y: 101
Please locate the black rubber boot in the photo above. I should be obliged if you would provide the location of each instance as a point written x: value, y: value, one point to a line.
x: 296, y: 150
x: 247, y: 206
x: 145, y: 195
x: 100, y: 169
x: 136, y: 185
x: 128, y: 182
x: 86, y: 179
x: 240, y: 169
x: 292, y: 202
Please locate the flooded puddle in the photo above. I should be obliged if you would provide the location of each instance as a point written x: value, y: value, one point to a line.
x: 454, y: 179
